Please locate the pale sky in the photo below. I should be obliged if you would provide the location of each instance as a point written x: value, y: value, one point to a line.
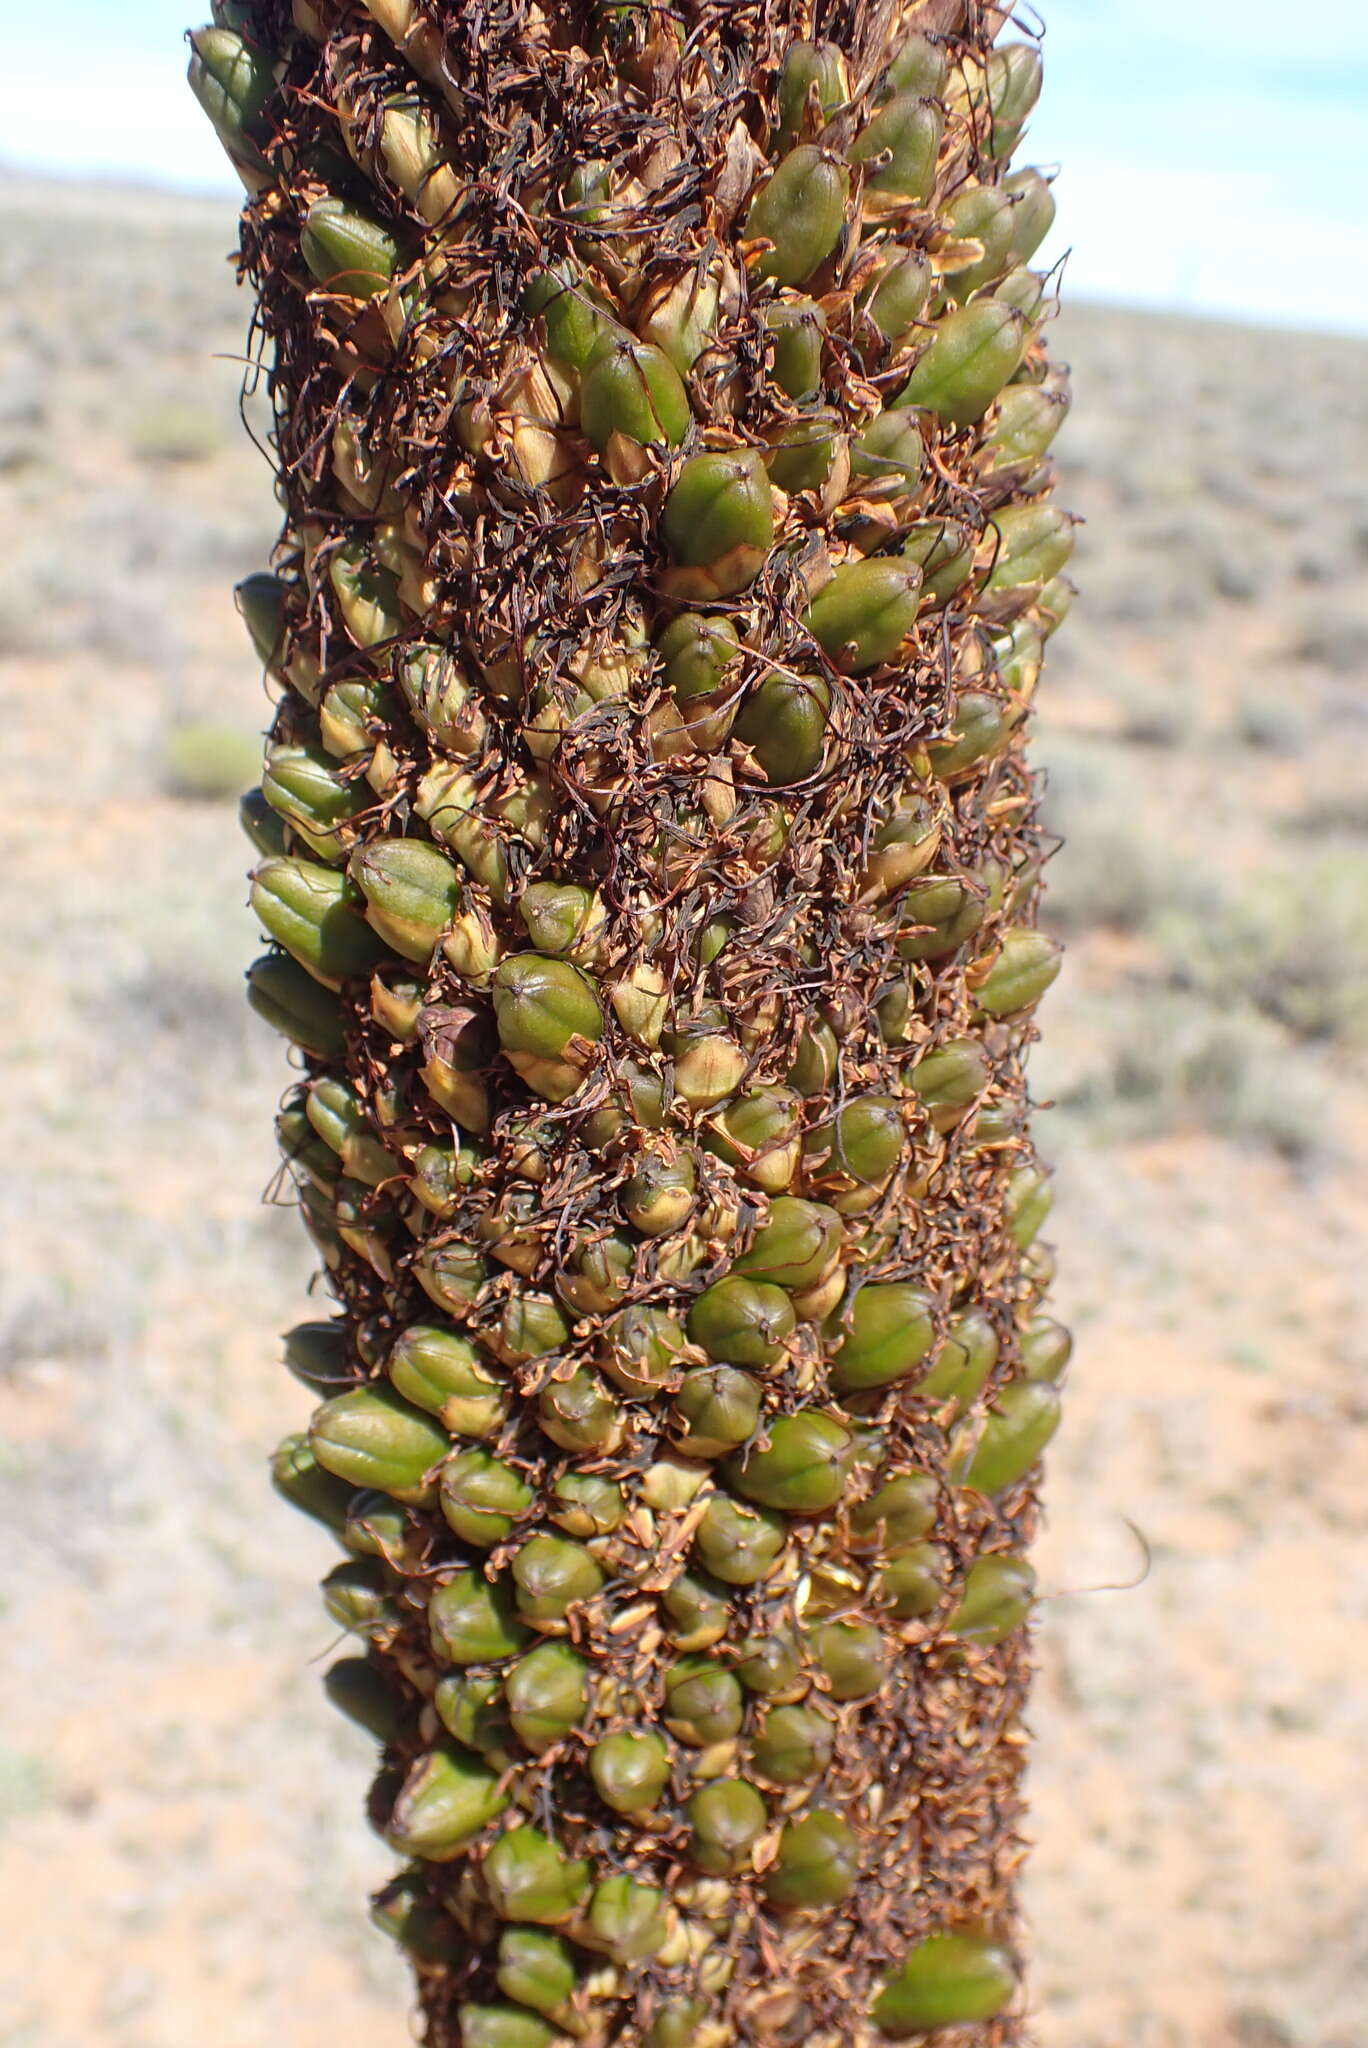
x: 1214, y: 153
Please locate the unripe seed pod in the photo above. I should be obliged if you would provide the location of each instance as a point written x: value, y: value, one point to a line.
x: 1035, y: 541
x: 708, y: 1065
x: 585, y: 1505
x: 659, y: 1195
x: 757, y: 1136
x: 801, y: 213
x: 897, y: 1514
x: 1012, y: 78
x: 472, y: 1621
x: 405, y: 1911
x: 984, y: 214
x: 318, y: 1356
x: 1046, y: 1348
x: 679, y: 2024
x: 727, y: 1818
x: 970, y: 357
x: 263, y: 825
x: 794, y: 1745
x: 347, y: 251
x: 920, y: 65
x: 482, y: 1498
x: 801, y: 1468
x: 863, y: 615
x: 697, y: 1611
x: 912, y: 1583
x: 503, y: 2026
x: 896, y: 299
x: 887, y: 1334
x: 815, y: 1061
x: 596, y: 1278
x: 627, y: 1920
x: 546, y: 1008
x: 632, y: 388
x: 999, y: 1593
x: 563, y: 919
x: 945, y: 1980
x: 1026, y: 965
x: 817, y: 1863
x: 579, y: 1414
x: 233, y: 82
x: 901, y: 145
x: 902, y: 848
x: 739, y: 1543
x: 995, y: 1455
x: 573, y: 323
x: 304, y: 788
x: 299, y: 1478
x: 373, y: 1438
x: 857, y: 1149
x: 536, y: 1968
x: 964, y: 1361
x: 796, y: 1247
x: 553, y: 1575
x: 983, y: 727
x: 853, y: 1658
x: 797, y: 330
x: 362, y: 1692
x: 356, y: 1596
x: 813, y: 74
x: 703, y: 1703
x: 347, y: 713
x: 1033, y: 212
x: 548, y: 1695
x: 889, y: 455
x: 472, y: 1709
x: 944, y: 550
x: 315, y: 914
x: 1028, y: 418
x: 528, y: 1878
x: 446, y: 1375
x: 440, y: 1173
x: 411, y: 890
x: 1029, y: 1201
x: 716, y: 1409
x: 447, y: 1799
x: 769, y: 1665
x: 376, y: 1526
x: 742, y: 1322
x: 630, y: 1770
x: 643, y: 1350
x: 805, y: 453
x: 947, y: 1080
x: 939, y: 914
x: 718, y: 524
x: 784, y: 722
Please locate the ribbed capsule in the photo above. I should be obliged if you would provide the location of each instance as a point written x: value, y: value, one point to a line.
x: 800, y: 213
x: 900, y: 145
x: 946, y: 1980
x: 968, y: 359
x: 718, y: 524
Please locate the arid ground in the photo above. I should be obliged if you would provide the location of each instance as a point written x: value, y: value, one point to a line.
x: 182, y: 1851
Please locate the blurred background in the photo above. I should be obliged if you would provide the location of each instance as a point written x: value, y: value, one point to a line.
x: 182, y: 1849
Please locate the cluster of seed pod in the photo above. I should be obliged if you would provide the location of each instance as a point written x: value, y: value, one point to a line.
x: 650, y: 865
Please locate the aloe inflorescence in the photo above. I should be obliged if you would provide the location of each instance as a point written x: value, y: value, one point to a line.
x: 649, y: 863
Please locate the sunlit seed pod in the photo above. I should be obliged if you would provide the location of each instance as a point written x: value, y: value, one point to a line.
x: 356, y: 1597
x: 739, y: 1321
x: 770, y: 1666
x: 726, y: 1819
x: 563, y: 919
x: 814, y: 76
x: 596, y: 1277
x: 992, y: 1454
x: 967, y: 361
x: 739, y: 1541
x: 481, y: 1498
x: 372, y: 1437
x: 548, y: 1695
x: 797, y: 329
x: 232, y: 80
x: 1033, y: 211
x: 1046, y: 1348
x: 580, y: 1414
x: 315, y: 914
x: 912, y: 1583
x: 816, y: 1060
x: 918, y: 65
x: 376, y: 1525
x: 366, y: 1695
x: 303, y: 1150
x: 982, y: 730
x: 793, y: 1745
x: 411, y: 893
x: 796, y: 1247
x: 718, y: 524
x: 1027, y: 419
x: 470, y: 1705
x: 852, y: 1656
x: 884, y: 1336
x: 367, y: 595
x: 889, y: 455
x: 1025, y: 290
x: 1003, y: 89
x: 446, y: 1375
x: 631, y: 388
x: 709, y: 1066
x: 528, y: 1878
x: 862, y: 616
x: 805, y: 454
x: 448, y: 1798
x: 572, y: 320
x: 536, y: 1969
x: 1039, y: 1267
x: 680, y: 2023
x: 949, y: 1078
x: 347, y: 713
x: 299, y: 1478
x: 697, y: 1611
x: 319, y: 1356
x: 715, y: 1410
x: 800, y: 1469
x: 680, y: 314
x: 1030, y: 1198
x: 440, y: 1173
x: 504, y: 2026
x: 348, y: 251
x: 817, y: 1862
x: 697, y: 651
x: 451, y: 1275
x: 1033, y: 544
x: 944, y: 551
x: 396, y: 1002
x: 800, y: 212
x: 442, y: 699
x: 529, y: 1326
x: 644, y: 1350
x: 1025, y: 967
x: 999, y: 1593
x: 965, y: 1360
x: 984, y: 215
x: 474, y: 1621
x: 630, y: 1770
x: 546, y: 1008
x: 303, y: 787
x: 858, y: 1148
x: 900, y: 146
x: 626, y: 1920
x: 552, y: 1575
x: 946, y: 1980
x: 897, y: 295
x: 757, y: 1135
x: 337, y: 1113
x: 896, y: 1514
x: 902, y: 848
x: 703, y: 1703
x: 784, y: 722
x: 584, y: 1504
x: 938, y: 914
x: 658, y: 1196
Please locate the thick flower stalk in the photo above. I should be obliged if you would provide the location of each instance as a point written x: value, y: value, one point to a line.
x: 649, y: 860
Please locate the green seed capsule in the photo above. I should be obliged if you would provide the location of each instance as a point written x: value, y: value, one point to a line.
x: 757, y: 1136
x: 803, y: 454
x: 677, y: 2023
x: 901, y: 145
x: 1013, y: 78
x: 939, y: 914
x: 579, y: 1414
x: 947, y: 1980
x: 347, y: 713
x: 304, y: 788
x: 445, y: 1375
x: 816, y: 1061
x: 1053, y: 604
x: 742, y: 1322
x: 739, y: 1543
x: 718, y: 524
x: 658, y: 1197
x: 536, y: 1969
x: 970, y: 357
x: 1025, y: 967
x: 727, y: 1818
x: 338, y: 1115
x: 797, y: 1247
x: 448, y: 1798
x: 632, y: 388
x: 947, y: 1080
x: 412, y: 893
x: 232, y: 82
x: 406, y: 1912
x: 347, y: 251
x: 983, y: 727
x: 552, y: 1575
x: 1035, y: 541
x: 363, y: 1693
x: 801, y: 213
x: 853, y: 1657
x: 794, y: 1745
x: 471, y: 1707
x: 1010, y: 1441
x: 814, y: 74
x: 817, y: 1863
x: 964, y: 1362
x: 1033, y: 212
x: 503, y: 2026
x: 999, y: 1593
x: 715, y: 1410
x: 984, y: 214
x: 944, y: 549
x: 703, y: 1704
x: 530, y: 1326
x: 698, y: 1611
x: 319, y: 1356
x: 896, y: 300
x: 584, y: 1505
x: 263, y: 825
x: 863, y: 615
x: 627, y: 1920
x: 372, y: 1437
x: 802, y: 1468
x: 768, y: 1665
x: 643, y: 1351
x: 889, y: 456
x: 262, y: 602
x: 528, y: 1878
x: 630, y: 1770
x: 299, y: 1478
x: 548, y: 1695
x: 887, y: 1334
x: 356, y: 1596
x: 315, y: 914
x: 797, y: 330
x: 595, y: 1278
x: 895, y: 1516
x: 1046, y: 1348
x: 482, y: 1498
x: 784, y: 722
x: 1029, y: 1201
x: 858, y: 1148
x: 376, y: 1526
x: 573, y: 323
x: 1028, y: 418
x: 912, y: 1584
x: 472, y: 1621
x: 542, y: 1006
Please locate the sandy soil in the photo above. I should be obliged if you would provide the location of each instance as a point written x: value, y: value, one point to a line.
x: 182, y: 1851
